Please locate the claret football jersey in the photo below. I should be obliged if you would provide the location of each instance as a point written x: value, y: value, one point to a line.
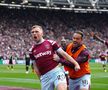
x: 43, y: 55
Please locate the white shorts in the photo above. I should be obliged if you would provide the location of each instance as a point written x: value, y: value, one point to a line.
x: 104, y: 62
x: 83, y: 82
x: 52, y: 78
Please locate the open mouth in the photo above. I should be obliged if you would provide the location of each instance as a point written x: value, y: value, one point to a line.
x: 35, y: 37
x: 75, y: 43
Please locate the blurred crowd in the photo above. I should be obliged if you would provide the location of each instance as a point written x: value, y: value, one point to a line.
x: 15, y: 26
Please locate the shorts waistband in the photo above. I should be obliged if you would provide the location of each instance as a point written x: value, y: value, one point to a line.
x: 52, y: 71
x: 79, y: 77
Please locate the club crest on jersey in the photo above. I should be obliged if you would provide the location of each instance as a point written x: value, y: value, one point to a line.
x: 34, y: 51
x: 47, y: 46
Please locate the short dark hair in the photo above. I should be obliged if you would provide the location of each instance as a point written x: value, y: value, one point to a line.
x: 80, y: 32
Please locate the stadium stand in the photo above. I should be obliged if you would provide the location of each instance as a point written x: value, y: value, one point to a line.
x: 16, y: 20
x: 59, y: 18
x: 71, y: 5
x: 15, y: 25
x: 103, y: 3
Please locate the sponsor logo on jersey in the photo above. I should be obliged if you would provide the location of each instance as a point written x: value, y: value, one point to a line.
x: 42, y: 54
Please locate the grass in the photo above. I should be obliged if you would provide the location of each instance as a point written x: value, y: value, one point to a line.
x: 99, y: 80
x: 19, y: 78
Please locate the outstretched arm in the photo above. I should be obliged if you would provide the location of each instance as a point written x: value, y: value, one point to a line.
x: 83, y: 57
x: 69, y: 58
x: 101, y: 40
x: 63, y: 61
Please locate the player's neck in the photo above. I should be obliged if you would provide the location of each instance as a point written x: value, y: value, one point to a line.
x: 39, y: 42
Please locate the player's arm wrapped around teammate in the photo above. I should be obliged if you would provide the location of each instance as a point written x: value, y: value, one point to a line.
x: 83, y: 57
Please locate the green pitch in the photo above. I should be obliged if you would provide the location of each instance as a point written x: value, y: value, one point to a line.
x: 19, y: 78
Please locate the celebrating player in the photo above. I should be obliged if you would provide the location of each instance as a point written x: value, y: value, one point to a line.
x: 103, y: 58
x: 46, y: 68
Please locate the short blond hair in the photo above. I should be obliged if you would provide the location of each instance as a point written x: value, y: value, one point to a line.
x: 37, y: 26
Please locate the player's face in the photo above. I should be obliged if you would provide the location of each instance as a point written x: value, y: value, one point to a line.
x: 37, y: 34
x: 77, y: 40
x: 63, y: 43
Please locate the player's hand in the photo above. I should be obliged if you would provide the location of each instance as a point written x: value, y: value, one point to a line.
x: 77, y: 67
x: 56, y: 57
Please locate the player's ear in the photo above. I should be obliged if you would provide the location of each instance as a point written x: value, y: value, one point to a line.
x: 42, y: 33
